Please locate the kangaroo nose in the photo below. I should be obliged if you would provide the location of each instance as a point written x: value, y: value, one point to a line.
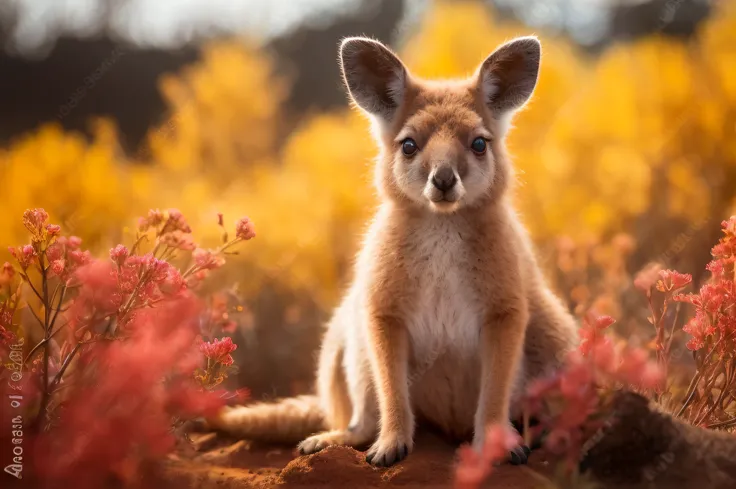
x: 444, y: 179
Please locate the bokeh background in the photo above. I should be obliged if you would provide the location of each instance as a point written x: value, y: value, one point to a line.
x: 627, y: 154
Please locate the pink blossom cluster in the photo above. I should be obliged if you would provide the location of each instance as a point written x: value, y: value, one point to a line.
x: 568, y: 402
x: 122, y: 355
x: 219, y: 350
x: 714, y: 323
x: 474, y: 466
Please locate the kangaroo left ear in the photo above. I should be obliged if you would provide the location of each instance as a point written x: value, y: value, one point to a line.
x: 508, y: 76
x: 375, y: 77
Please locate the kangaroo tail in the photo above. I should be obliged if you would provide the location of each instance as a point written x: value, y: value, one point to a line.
x: 289, y: 420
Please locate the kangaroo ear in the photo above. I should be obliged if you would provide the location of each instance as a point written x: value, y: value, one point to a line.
x: 375, y: 77
x: 508, y: 76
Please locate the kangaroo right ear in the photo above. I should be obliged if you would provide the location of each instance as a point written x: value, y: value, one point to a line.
x: 375, y: 77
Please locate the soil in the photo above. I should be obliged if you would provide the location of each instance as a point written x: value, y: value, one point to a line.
x: 220, y: 463
x: 639, y: 448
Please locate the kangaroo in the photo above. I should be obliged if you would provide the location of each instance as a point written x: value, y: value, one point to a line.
x: 448, y: 316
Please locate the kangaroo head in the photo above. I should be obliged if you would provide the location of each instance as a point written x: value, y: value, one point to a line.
x: 441, y: 141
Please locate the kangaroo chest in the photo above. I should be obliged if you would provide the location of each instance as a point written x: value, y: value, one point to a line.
x: 445, y: 317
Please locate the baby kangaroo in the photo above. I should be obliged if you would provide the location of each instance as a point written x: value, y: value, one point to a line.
x: 448, y: 316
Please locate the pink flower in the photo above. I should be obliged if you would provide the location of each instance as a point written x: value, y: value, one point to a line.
x: 128, y: 277
x: 57, y: 267
x: 592, y: 331
x: 159, y: 269
x: 25, y: 255
x: 172, y: 283
x: 652, y: 377
x: 558, y: 441
x: 207, y: 260
x: 143, y: 224
x: 499, y: 441
x: 55, y: 251
x: 79, y: 258
x: 119, y: 254
x: 729, y: 227
x: 647, y: 277
x: 635, y: 369
x: 179, y: 240
x: 155, y: 217
x: 712, y: 297
x: 699, y: 328
x: 219, y: 350
x: 474, y: 467
x: 177, y: 222
x: 244, y: 229
x: 34, y: 220
x: 74, y: 242
x: 53, y: 229
x: 6, y: 337
x: 196, y: 278
x: 6, y: 273
x: 135, y: 386
x: 670, y: 280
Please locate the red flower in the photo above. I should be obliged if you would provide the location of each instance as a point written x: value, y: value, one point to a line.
x: 219, y: 350
x: 244, y: 229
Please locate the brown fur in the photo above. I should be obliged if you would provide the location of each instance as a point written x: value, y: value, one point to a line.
x: 448, y: 317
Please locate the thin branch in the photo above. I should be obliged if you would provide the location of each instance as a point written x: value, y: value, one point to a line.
x: 65, y: 365
x: 33, y: 350
x: 56, y: 313
x: 723, y: 424
x: 36, y: 316
x: 690, y: 393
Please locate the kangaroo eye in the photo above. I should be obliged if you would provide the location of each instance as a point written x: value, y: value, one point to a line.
x: 409, y: 147
x: 478, y: 146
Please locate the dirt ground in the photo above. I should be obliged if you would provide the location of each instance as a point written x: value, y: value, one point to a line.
x: 215, y: 462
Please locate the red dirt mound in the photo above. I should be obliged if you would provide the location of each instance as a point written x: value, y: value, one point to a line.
x: 223, y: 465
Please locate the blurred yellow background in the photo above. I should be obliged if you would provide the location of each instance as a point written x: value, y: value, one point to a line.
x: 620, y: 156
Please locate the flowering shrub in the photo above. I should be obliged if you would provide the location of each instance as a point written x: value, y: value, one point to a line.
x: 571, y: 405
x: 128, y: 348
x: 575, y: 404
x: 710, y: 398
